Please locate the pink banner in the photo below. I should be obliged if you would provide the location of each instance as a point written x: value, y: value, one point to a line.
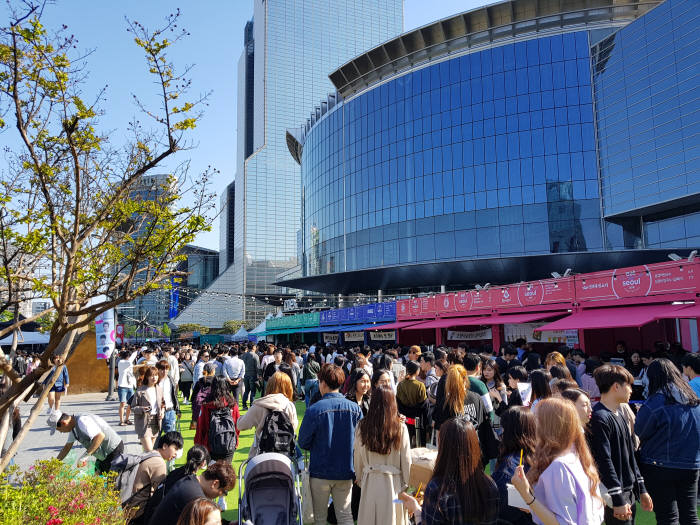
x: 445, y: 303
x: 463, y: 301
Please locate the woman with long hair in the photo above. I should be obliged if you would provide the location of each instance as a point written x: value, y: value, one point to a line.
x: 359, y: 389
x: 148, y: 407
x: 539, y: 379
x: 459, y: 491
x: 519, y: 434
x: 456, y: 400
x: 382, y: 458
x: 668, y: 426
x: 279, y: 395
x: 219, y: 398
x: 200, y: 511
x: 562, y: 471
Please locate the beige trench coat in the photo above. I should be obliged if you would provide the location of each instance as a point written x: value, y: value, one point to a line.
x: 381, y: 478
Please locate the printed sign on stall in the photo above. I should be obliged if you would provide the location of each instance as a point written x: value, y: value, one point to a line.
x: 475, y: 335
x: 388, y: 335
x: 353, y: 336
x: 513, y: 332
x: 105, y: 334
x: 330, y: 338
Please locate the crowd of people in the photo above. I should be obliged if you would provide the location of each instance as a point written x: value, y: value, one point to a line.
x: 521, y: 437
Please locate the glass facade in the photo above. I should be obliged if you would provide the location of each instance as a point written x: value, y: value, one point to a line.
x: 647, y: 94
x: 491, y: 154
x: 291, y: 47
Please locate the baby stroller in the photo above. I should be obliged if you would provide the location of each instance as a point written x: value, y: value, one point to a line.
x: 272, y: 491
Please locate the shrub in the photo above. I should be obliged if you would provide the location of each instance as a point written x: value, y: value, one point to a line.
x: 53, y: 493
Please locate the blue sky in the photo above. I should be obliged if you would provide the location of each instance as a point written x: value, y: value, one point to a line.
x: 213, y: 48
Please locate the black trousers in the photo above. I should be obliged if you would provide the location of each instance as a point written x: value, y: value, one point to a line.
x: 102, y: 466
x: 249, y: 392
x: 186, y: 388
x: 674, y: 493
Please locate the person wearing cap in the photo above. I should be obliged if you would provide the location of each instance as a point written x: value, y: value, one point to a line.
x: 93, y: 433
x: 147, y: 357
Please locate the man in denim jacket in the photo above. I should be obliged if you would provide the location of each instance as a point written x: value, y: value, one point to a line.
x: 328, y: 432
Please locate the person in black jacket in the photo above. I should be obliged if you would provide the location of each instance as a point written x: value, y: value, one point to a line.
x: 454, y: 399
x: 613, y: 447
x: 197, y: 459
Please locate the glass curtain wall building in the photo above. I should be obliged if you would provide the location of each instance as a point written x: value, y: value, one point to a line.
x: 503, y: 144
x: 291, y: 47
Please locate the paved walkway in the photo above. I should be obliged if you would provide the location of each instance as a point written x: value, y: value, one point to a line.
x: 40, y: 444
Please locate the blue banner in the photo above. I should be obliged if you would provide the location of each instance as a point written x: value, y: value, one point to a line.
x: 366, y: 313
x: 173, y: 310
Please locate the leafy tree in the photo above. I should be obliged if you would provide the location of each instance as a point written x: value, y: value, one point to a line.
x: 76, y: 223
x: 193, y: 327
x: 231, y: 327
x: 166, y: 331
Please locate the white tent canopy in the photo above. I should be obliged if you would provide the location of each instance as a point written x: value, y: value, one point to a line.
x: 241, y: 335
x: 27, y: 338
x: 260, y: 328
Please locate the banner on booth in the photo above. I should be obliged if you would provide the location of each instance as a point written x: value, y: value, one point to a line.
x: 526, y: 331
x: 330, y: 338
x: 105, y: 334
x: 389, y: 335
x: 475, y: 335
x: 354, y: 336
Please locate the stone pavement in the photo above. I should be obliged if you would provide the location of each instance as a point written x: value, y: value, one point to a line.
x: 40, y: 444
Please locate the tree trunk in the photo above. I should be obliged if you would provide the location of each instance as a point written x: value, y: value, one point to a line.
x: 65, y: 349
x: 6, y: 424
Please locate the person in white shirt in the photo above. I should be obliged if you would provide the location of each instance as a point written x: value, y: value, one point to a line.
x: 268, y: 358
x: 126, y: 383
x: 234, y: 370
x: 203, y: 360
x: 174, y: 372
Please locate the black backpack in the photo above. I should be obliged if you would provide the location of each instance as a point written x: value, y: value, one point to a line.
x: 277, y: 434
x: 223, y: 439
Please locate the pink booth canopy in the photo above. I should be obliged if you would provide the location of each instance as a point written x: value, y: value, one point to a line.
x: 489, y: 320
x: 623, y: 316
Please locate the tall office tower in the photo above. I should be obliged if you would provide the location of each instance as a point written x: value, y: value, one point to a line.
x: 153, y: 307
x: 291, y: 46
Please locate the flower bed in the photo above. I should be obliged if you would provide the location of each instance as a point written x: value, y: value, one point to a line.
x: 53, y: 493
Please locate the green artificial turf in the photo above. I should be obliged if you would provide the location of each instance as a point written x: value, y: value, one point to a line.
x: 246, y: 440
x: 241, y: 454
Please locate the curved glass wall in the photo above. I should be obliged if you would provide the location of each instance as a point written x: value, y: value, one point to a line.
x: 647, y: 91
x: 489, y: 154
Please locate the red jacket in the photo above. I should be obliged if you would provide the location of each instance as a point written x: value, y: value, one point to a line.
x: 201, y: 436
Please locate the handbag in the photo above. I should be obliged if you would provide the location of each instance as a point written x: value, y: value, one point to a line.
x: 307, y: 502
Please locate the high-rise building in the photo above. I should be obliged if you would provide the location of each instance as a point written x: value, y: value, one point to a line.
x: 291, y: 46
x: 153, y: 307
x: 201, y: 266
x: 504, y: 144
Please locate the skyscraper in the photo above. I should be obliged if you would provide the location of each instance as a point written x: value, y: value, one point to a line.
x: 290, y: 48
